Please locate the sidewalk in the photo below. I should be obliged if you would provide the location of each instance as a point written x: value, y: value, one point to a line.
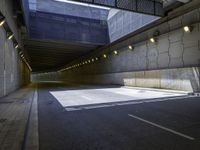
x: 15, y: 112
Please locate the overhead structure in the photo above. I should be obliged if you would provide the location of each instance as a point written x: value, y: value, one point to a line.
x: 151, y: 7
x: 173, y: 3
x: 48, y: 55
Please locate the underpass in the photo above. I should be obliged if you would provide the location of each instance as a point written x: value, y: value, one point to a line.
x: 99, y: 74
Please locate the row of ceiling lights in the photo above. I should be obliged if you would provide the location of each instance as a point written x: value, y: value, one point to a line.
x: 10, y: 36
x: 153, y: 39
x: 115, y: 52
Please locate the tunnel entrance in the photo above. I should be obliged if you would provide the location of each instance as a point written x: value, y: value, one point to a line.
x: 99, y: 74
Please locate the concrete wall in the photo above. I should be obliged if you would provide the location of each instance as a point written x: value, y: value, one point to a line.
x: 68, y: 28
x: 13, y: 71
x: 185, y: 79
x: 50, y: 76
x: 173, y: 62
x: 121, y: 23
x: 61, y: 21
x: 69, y: 9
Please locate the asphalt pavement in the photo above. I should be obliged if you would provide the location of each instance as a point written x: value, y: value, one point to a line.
x: 119, y: 119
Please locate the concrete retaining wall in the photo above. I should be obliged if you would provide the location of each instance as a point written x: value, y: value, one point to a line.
x: 185, y: 79
x: 121, y: 23
x: 13, y: 71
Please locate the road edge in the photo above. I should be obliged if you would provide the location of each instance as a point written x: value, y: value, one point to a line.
x: 33, y: 131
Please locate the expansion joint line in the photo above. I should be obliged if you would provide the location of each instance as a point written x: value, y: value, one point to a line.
x: 169, y: 45
x: 183, y: 46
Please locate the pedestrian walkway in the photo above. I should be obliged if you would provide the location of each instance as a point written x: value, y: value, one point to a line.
x: 15, y: 111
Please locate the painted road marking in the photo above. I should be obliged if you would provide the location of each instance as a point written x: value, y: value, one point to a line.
x: 162, y: 127
x: 110, y: 104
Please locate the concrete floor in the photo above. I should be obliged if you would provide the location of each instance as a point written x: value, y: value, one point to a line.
x: 89, y: 97
x: 153, y: 124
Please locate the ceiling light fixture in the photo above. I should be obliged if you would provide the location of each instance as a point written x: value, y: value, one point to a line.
x: 10, y: 36
x: 152, y: 40
x: 16, y: 46
x: 130, y: 47
x: 115, y: 52
x: 2, y: 21
x: 187, y: 29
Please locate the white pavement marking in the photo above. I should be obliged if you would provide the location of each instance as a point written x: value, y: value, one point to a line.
x: 162, y: 127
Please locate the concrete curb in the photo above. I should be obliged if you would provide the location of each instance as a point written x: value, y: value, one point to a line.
x: 33, y: 135
x: 159, y: 90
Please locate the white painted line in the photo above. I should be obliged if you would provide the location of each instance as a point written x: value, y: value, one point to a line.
x: 71, y: 108
x: 156, y: 90
x: 162, y: 127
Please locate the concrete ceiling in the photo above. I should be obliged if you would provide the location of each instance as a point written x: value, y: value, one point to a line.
x: 50, y: 55
x: 45, y: 55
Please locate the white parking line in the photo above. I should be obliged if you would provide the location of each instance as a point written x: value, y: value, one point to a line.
x: 163, y: 128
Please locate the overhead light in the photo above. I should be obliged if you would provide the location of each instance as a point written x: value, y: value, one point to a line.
x: 92, y: 59
x: 130, y: 47
x: 2, y: 22
x: 187, y: 29
x: 152, y: 40
x: 104, y: 55
x: 10, y: 36
x: 115, y: 52
x: 16, y: 46
x: 96, y: 58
